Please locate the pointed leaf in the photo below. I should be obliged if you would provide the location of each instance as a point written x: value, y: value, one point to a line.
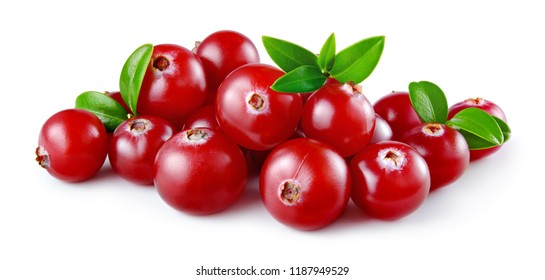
x: 358, y: 61
x: 109, y: 111
x: 505, y: 129
x: 478, y: 127
x: 326, y: 58
x: 302, y: 79
x: 133, y: 73
x: 429, y: 102
x: 287, y: 55
x: 476, y: 143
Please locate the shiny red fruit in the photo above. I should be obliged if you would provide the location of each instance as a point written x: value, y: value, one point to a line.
x: 444, y: 149
x: 340, y: 116
x: 397, y: 110
x: 72, y: 145
x: 251, y: 113
x: 204, y: 117
x: 485, y: 105
x: 133, y: 147
x: 222, y: 52
x: 200, y: 171
x: 382, y: 130
x: 305, y: 184
x: 174, y: 85
x: 390, y: 180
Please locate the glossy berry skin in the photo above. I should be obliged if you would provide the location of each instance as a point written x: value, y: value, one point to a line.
x: 485, y: 105
x: 390, y: 180
x: 200, y: 171
x: 133, y: 147
x: 72, y: 145
x: 444, y: 149
x: 304, y: 184
x: 382, y: 130
x: 204, y: 117
x: 222, y: 52
x: 174, y: 85
x: 340, y: 116
x: 251, y: 113
x: 397, y: 110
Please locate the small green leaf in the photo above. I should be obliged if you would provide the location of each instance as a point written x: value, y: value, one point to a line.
x: 505, y: 129
x: 302, y: 79
x: 478, y: 127
x: 109, y: 111
x: 133, y: 73
x: 475, y: 142
x: 288, y: 56
x: 326, y: 58
x: 429, y: 102
x: 358, y: 61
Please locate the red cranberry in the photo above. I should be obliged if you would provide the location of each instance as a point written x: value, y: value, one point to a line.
x: 251, y: 113
x: 174, y: 85
x: 396, y: 109
x: 200, y: 171
x: 222, y: 52
x: 133, y: 147
x: 444, y: 149
x: 341, y: 116
x: 305, y: 184
x: 485, y: 105
x: 204, y: 117
x: 382, y: 130
x: 390, y: 180
x: 72, y: 145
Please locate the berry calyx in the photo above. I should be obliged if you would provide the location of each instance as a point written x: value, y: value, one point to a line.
x: 160, y: 63
x: 257, y: 102
x: 290, y: 192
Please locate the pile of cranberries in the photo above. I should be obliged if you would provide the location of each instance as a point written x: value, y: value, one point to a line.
x: 203, y: 116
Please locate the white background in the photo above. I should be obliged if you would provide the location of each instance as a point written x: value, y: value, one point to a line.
x: 487, y: 225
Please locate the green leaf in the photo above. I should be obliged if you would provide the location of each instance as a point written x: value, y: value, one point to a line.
x: 288, y: 56
x: 326, y: 58
x: 358, y: 61
x: 302, y: 79
x: 109, y: 111
x: 478, y: 127
x: 505, y: 129
x: 133, y: 73
x: 429, y: 102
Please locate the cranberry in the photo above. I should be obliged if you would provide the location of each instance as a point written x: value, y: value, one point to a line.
x: 200, y: 171
x: 134, y: 144
x: 251, y: 113
x: 341, y: 116
x: 396, y: 109
x: 222, y: 52
x: 485, y: 105
x: 390, y: 180
x: 72, y: 145
x: 204, y: 117
x: 304, y: 184
x: 382, y: 130
x: 444, y: 149
x: 174, y: 85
